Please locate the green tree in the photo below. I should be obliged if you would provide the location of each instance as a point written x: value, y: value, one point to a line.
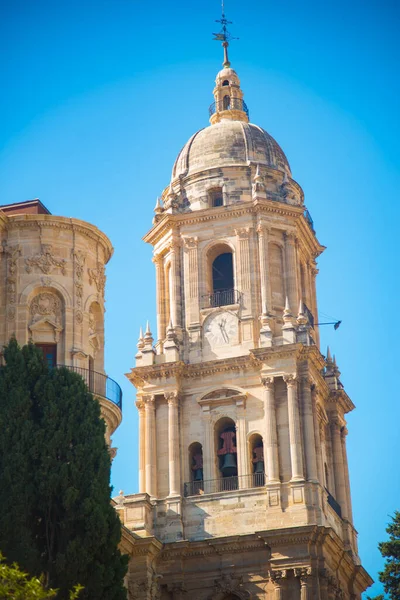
x: 17, y: 585
x: 56, y: 515
x: 390, y: 576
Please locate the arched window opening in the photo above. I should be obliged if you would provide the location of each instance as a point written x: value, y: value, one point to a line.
x: 222, y: 279
x: 227, y: 454
x: 216, y: 197
x: 226, y: 82
x: 226, y: 102
x: 257, y: 461
x: 196, y: 468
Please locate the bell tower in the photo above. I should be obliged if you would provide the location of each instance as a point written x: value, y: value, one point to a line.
x: 243, y: 479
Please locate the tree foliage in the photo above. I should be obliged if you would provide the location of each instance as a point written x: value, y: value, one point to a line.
x: 390, y: 576
x: 17, y: 585
x: 56, y: 515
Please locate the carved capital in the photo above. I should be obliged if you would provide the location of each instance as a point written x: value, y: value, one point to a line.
x: 290, y: 380
x: 149, y: 402
x: 277, y: 576
x: 172, y: 398
x: 303, y: 573
x: 290, y: 237
x: 268, y: 383
x: 140, y: 405
x: 242, y: 233
x: 190, y: 242
x: 157, y: 259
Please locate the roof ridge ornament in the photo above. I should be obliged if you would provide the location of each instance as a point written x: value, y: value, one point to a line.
x: 224, y: 36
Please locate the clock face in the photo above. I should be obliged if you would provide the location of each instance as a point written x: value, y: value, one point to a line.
x: 221, y: 329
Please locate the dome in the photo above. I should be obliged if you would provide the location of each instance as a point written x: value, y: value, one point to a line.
x: 229, y: 143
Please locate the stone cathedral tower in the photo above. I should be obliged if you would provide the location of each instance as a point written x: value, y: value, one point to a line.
x: 244, y: 485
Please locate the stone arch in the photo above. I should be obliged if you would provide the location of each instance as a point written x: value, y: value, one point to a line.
x: 195, y: 457
x: 225, y: 445
x: 26, y: 293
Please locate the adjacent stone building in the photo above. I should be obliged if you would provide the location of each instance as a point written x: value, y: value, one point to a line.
x: 243, y: 478
x: 53, y: 274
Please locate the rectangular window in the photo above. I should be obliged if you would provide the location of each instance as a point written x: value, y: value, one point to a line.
x: 216, y: 197
x: 49, y: 353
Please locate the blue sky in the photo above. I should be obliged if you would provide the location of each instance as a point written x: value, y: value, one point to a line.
x: 99, y: 96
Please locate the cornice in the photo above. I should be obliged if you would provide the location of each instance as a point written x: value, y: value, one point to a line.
x: 251, y: 208
x: 139, y: 376
x: 68, y: 223
x: 340, y: 398
x: 211, y: 547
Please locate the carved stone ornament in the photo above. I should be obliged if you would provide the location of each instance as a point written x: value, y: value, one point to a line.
x: 277, y: 576
x: 79, y: 317
x: 230, y: 584
x: 290, y: 380
x: 45, y: 304
x: 14, y: 252
x: 98, y: 276
x: 45, y: 261
x: 190, y: 242
x: 268, y: 382
x: 79, y: 262
x: 243, y: 233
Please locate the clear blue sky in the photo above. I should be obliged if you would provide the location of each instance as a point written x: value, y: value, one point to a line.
x: 99, y: 96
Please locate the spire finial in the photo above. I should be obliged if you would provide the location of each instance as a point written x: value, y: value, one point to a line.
x: 224, y: 36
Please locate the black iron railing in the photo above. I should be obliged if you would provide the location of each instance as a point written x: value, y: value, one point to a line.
x: 309, y: 220
x: 309, y: 315
x: 224, y: 484
x: 99, y: 384
x: 221, y: 298
x: 334, y: 504
x: 234, y: 104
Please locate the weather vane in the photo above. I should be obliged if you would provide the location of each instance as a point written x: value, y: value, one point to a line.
x: 224, y: 36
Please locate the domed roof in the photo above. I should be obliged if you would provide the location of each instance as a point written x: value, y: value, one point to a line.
x: 229, y: 143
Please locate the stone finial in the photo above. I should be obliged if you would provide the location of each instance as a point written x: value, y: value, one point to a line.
x: 328, y: 355
x: 171, y: 344
x: 258, y: 184
x: 158, y: 208
x: 287, y: 313
x: 301, y: 318
x: 140, y: 343
x: 148, y: 337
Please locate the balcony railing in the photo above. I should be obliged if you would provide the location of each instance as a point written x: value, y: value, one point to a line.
x: 99, y: 384
x: 309, y: 220
x: 221, y: 298
x: 234, y: 104
x: 224, y: 484
x: 334, y: 504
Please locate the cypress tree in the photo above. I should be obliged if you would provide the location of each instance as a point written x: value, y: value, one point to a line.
x: 67, y: 524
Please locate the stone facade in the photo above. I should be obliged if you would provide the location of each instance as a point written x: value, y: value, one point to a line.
x: 243, y: 481
x: 54, y: 274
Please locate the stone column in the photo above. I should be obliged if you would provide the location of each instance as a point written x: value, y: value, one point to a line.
x: 344, y: 433
x: 150, y: 445
x: 173, y: 443
x: 241, y: 443
x: 318, y: 447
x: 208, y: 449
x: 277, y: 579
x: 313, y: 291
x: 304, y: 575
x: 264, y: 268
x: 142, y: 450
x: 192, y: 280
x: 270, y: 431
x: 160, y: 297
x: 243, y: 266
x: 338, y: 467
x: 308, y: 427
x: 291, y: 270
x: 296, y: 454
x: 175, y: 299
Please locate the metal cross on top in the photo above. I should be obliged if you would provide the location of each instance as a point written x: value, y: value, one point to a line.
x: 224, y: 36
